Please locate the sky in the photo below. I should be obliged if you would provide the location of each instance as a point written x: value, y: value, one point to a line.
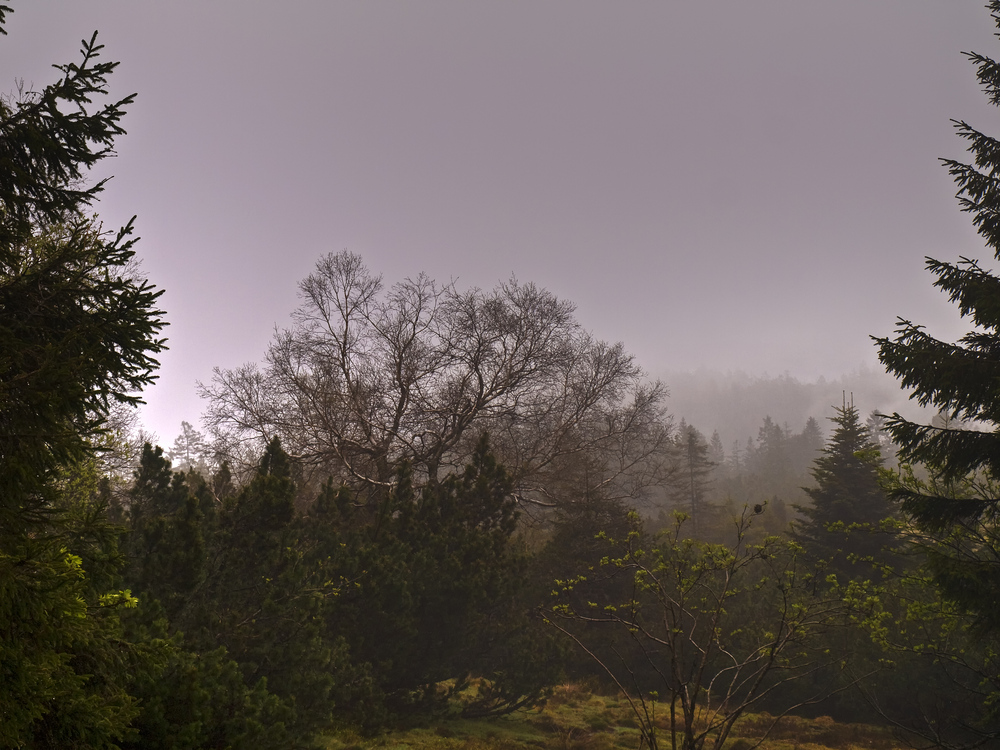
x: 726, y: 185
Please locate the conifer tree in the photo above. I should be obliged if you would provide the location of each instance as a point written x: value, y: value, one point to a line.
x: 78, y: 334
x: 190, y: 451
x: 692, y: 475
x: 961, y: 380
x: 847, y: 501
x: 716, y: 453
x: 168, y: 522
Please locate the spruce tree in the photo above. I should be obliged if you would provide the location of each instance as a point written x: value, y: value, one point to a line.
x: 78, y: 334
x: 962, y: 380
x: 841, y: 525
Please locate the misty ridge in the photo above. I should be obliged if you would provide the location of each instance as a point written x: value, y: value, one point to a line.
x: 735, y: 403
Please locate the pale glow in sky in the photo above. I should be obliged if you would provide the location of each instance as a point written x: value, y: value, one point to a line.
x: 731, y: 185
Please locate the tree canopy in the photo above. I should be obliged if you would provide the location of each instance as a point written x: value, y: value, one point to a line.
x: 370, y: 376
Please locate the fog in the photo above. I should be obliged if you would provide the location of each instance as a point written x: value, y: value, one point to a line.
x: 730, y: 186
x: 736, y: 403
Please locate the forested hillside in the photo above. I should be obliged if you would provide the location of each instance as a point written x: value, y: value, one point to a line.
x: 734, y: 404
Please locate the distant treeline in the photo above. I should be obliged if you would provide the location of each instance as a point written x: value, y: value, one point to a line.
x: 735, y: 403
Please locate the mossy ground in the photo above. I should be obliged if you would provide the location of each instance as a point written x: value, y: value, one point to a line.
x: 577, y: 719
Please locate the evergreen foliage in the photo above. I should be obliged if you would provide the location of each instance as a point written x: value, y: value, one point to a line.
x: 437, y: 592
x: 232, y: 586
x: 769, y: 472
x: 200, y: 700
x: 49, y: 140
x: 841, y: 526
x: 961, y: 380
x: 335, y: 611
x: 199, y: 610
x: 78, y: 334
x: 929, y: 620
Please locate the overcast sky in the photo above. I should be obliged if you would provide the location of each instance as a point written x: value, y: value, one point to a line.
x: 733, y: 185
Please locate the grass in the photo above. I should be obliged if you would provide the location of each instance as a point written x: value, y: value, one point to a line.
x: 576, y: 719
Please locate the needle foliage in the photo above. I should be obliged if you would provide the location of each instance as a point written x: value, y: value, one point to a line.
x: 79, y: 331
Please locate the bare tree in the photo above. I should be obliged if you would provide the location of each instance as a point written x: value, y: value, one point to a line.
x: 370, y: 376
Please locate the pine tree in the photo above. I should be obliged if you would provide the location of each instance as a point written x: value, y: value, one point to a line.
x: 438, y: 595
x: 167, y: 542
x: 961, y: 380
x: 190, y: 451
x: 841, y: 525
x: 238, y: 591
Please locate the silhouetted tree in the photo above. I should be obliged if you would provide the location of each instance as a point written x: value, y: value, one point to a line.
x: 369, y: 378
